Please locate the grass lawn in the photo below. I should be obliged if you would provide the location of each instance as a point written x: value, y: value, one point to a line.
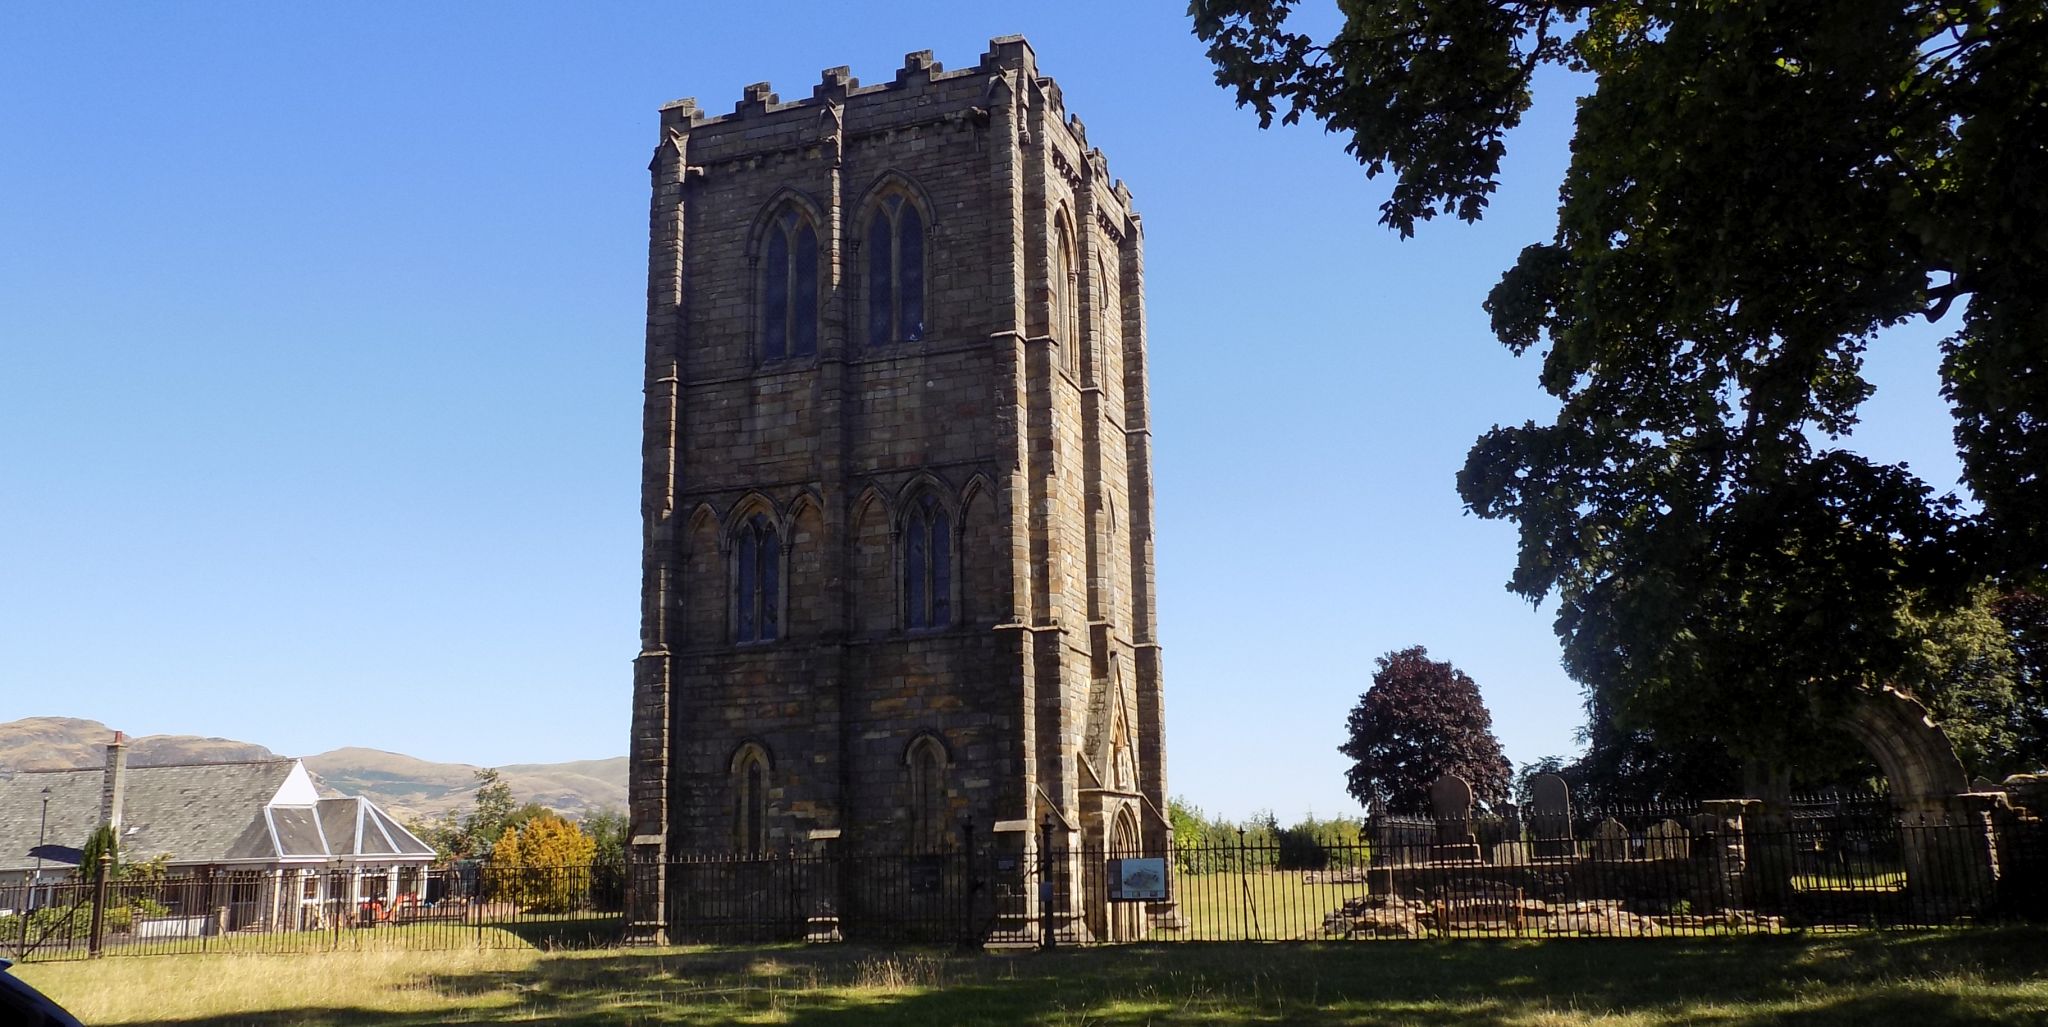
x: 1261, y: 906
x: 531, y: 931
x: 1925, y: 979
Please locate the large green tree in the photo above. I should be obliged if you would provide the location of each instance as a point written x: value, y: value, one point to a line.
x: 2025, y: 617
x: 1757, y: 191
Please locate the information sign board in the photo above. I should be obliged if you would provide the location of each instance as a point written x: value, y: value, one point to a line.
x: 1140, y: 879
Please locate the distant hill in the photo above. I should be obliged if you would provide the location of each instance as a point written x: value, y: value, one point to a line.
x: 58, y: 743
x: 400, y: 782
x: 404, y: 785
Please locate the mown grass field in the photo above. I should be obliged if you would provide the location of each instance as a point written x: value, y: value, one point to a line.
x: 1266, y: 906
x: 1925, y: 979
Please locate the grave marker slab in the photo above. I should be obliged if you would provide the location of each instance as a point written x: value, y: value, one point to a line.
x: 1668, y: 839
x: 1450, y: 802
x: 1550, y: 817
x: 1610, y: 841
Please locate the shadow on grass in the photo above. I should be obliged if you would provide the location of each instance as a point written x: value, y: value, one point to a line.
x: 1925, y: 979
x: 567, y: 934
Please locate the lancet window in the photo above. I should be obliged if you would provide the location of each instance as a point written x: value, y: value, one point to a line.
x: 895, y: 285
x: 750, y: 800
x: 1066, y: 308
x: 928, y: 827
x: 927, y: 565
x: 758, y: 588
x: 789, y: 287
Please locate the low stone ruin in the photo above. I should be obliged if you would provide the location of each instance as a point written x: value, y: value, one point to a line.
x: 1482, y: 913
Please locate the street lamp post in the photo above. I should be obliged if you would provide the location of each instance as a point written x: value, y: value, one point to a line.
x: 41, y: 830
x: 28, y: 899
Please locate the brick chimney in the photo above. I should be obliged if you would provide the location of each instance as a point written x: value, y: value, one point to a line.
x: 113, y: 782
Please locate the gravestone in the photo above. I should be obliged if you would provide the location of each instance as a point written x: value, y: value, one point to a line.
x: 1668, y: 839
x: 1610, y: 840
x: 1550, y: 817
x: 1450, y: 803
x: 1400, y: 841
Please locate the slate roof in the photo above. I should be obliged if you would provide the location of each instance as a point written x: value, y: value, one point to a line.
x: 198, y: 813
x: 74, y: 812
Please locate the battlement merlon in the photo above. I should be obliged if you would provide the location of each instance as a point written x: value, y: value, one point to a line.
x: 922, y: 91
x: 759, y: 99
x: 680, y: 116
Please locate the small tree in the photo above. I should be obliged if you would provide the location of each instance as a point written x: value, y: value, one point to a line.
x: 543, y: 866
x: 1420, y: 720
x: 490, y: 813
x: 102, y: 842
x: 607, y: 829
x: 469, y: 835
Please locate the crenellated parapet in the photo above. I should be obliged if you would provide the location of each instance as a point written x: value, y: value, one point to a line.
x: 921, y: 97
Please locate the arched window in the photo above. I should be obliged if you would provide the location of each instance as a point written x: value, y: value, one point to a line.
x: 1120, y: 772
x: 927, y: 565
x: 789, y: 288
x: 758, y: 589
x: 1109, y: 313
x: 1066, y: 311
x: 927, y: 762
x: 750, y: 799
x: 895, y: 244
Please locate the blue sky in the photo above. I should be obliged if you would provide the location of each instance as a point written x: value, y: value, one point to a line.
x: 320, y: 341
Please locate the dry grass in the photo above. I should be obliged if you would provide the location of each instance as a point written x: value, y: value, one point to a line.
x: 1927, y: 979
x: 147, y: 989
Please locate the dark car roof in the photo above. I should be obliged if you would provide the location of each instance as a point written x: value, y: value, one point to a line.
x: 24, y: 1006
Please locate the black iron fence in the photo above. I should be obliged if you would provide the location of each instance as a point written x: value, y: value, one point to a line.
x: 923, y: 897
x: 1679, y: 871
x: 1650, y: 871
x: 311, y: 909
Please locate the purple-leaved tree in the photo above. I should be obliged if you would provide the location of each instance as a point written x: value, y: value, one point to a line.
x: 1420, y: 720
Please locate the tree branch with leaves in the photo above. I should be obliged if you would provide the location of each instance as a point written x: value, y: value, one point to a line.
x: 1757, y: 192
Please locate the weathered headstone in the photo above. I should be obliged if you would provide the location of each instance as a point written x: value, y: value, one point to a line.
x: 1550, y: 817
x: 1450, y: 798
x: 1668, y: 839
x: 1450, y: 802
x: 1610, y: 840
x: 1398, y: 841
x: 1511, y: 854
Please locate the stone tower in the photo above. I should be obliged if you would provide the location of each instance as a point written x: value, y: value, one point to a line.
x: 897, y: 482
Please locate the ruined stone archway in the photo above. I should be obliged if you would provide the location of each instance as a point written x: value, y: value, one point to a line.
x: 1909, y: 747
x: 1947, y: 837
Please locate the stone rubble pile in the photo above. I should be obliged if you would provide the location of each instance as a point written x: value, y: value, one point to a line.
x: 1388, y: 916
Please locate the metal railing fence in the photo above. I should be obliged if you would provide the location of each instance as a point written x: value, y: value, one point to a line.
x: 1651, y: 875
x: 312, y: 910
